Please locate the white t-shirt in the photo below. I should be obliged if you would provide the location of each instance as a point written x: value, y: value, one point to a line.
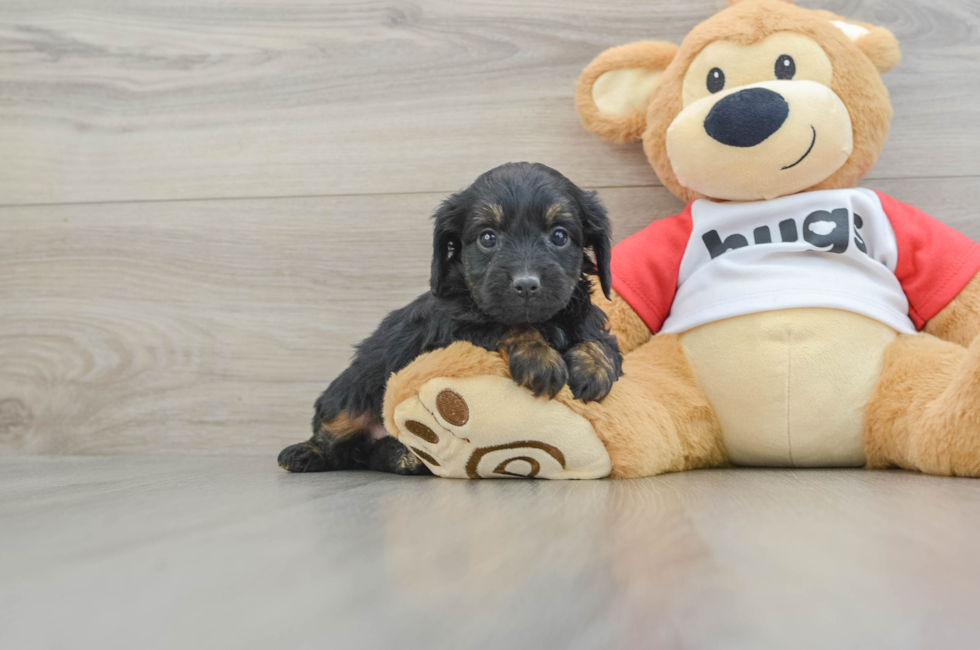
x: 850, y: 249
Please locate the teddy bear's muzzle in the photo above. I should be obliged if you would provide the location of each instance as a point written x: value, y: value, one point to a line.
x: 760, y: 141
x: 747, y: 117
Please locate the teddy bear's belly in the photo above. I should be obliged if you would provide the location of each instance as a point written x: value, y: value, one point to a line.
x: 790, y: 386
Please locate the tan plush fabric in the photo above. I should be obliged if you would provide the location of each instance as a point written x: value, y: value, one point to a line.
x: 531, y: 437
x: 959, y: 321
x: 655, y: 420
x: 624, y: 323
x: 925, y: 413
x: 620, y: 92
x: 645, y: 57
x: 458, y: 360
x: 745, y: 64
x: 447, y: 407
x: 818, y: 128
x: 790, y: 386
x: 881, y: 46
x: 855, y: 81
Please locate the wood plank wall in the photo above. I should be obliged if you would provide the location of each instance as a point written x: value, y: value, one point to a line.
x: 203, y: 205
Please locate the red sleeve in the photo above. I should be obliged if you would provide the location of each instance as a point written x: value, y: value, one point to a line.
x: 645, y: 267
x: 934, y: 263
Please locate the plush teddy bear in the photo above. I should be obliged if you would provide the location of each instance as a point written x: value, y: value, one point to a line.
x: 784, y: 318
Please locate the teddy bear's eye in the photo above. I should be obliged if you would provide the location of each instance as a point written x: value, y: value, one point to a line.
x: 785, y: 67
x: 716, y: 80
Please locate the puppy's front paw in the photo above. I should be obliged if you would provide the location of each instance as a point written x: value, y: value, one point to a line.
x: 544, y: 374
x: 534, y: 364
x: 591, y: 371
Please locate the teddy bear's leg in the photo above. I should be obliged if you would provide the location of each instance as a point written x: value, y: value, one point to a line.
x: 925, y: 412
x: 489, y: 427
x: 453, y: 405
x: 657, y: 418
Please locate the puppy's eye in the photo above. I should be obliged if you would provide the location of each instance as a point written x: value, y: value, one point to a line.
x: 487, y: 239
x: 785, y: 67
x: 716, y: 80
x: 559, y: 237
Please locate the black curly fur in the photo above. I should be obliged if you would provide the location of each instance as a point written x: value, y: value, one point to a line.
x: 472, y: 299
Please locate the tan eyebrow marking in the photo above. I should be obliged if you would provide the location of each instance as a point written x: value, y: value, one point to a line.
x: 555, y: 210
x: 495, y: 213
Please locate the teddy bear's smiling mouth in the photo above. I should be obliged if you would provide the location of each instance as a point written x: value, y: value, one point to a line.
x: 812, y: 142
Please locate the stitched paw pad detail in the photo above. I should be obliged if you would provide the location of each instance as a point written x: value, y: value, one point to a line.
x: 488, y: 427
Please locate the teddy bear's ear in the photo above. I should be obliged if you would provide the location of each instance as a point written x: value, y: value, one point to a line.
x: 614, y: 90
x: 879, y: 44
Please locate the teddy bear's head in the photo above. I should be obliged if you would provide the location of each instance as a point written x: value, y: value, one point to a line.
x: 762, y: 100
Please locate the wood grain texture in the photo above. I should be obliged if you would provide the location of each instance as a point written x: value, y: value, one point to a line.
x: 211, y: 326
x: 190, y: 323
x: 204, y: 205
x: 105, y: 100
x: 234, y: 553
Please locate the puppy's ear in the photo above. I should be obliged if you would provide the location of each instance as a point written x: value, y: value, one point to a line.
x: 598, y: 236
x: 446, y: 244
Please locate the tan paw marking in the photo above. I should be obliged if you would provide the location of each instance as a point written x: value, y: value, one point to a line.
x: 422, y: 431
x: 452, y: 407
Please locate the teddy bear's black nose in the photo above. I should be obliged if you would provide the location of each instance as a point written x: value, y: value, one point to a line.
x: 746, y: 118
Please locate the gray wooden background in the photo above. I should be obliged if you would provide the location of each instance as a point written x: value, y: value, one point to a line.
x: 204, y: 204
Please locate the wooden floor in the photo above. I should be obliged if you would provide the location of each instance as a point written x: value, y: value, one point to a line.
x: 173, y: 552
x: 204, y: 205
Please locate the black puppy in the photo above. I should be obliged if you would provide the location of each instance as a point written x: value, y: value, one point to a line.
x: 509, y: 273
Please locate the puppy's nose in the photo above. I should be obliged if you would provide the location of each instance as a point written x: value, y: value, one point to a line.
x: 526, y: 285
x: 746, y: 118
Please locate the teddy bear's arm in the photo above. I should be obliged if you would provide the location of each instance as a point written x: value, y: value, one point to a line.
x: 624, y: 323
x: 959, y: 321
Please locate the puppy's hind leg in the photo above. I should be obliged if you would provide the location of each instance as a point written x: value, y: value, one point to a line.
x: 303, y: 457
x: 388, y: 454
x: 347, y: 433
x: 339, y: 443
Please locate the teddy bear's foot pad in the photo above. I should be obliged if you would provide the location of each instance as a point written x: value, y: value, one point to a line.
x: 489, y: 427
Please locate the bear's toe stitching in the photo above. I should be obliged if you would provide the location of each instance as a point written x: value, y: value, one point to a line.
x: 452, y: 407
